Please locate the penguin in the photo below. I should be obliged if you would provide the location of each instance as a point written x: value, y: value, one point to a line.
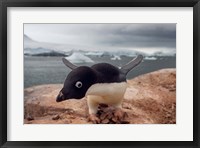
x: 101, y: 83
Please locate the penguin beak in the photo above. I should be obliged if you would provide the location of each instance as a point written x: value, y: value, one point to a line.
x: 60, y: 97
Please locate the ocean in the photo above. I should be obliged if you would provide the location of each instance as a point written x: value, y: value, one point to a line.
x: 50, y: 70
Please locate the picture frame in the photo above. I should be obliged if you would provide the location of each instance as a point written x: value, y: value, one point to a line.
x: 99, y: 3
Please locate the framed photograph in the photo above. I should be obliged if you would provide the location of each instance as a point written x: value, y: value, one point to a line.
x: 100, y: 61
x: 115, y: 73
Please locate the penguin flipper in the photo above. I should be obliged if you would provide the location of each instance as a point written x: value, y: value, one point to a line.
x: 69, y: 64
x: 130, y: 65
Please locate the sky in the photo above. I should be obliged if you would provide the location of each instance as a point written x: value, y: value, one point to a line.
x: 123, y: 36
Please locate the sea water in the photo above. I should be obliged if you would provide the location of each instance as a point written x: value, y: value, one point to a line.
x: 50, y: 70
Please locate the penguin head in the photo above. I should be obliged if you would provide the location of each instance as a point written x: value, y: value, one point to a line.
x: 77, y: 83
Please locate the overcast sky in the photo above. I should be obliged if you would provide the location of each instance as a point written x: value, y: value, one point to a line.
x: 130, y: 36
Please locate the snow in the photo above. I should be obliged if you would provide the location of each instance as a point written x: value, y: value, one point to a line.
x: 78, y: 57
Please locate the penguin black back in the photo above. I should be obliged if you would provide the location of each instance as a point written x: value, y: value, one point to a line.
x: 81, y: 78
x: 108, y: 73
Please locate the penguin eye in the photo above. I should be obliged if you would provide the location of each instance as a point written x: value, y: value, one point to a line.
x: 78, y: 84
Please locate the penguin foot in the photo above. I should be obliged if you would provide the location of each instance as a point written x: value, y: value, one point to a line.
x: 94, y: 119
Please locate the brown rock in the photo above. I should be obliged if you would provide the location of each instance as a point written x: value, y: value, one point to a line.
x: 69, y: 111
x: 105, y: 121
x: 30, y: 117
x: 56, y: 117
x: 94, y: 119
x: 110, y: 115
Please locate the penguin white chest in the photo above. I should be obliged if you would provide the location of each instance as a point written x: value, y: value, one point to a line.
x: 106, y: 93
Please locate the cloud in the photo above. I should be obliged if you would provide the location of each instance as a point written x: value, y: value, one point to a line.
x: 106, y: 35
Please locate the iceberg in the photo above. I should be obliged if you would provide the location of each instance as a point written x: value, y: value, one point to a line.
x: 150, y: 58
x: 94, y: 53
x: 115, y: 57
x: 78, y: 57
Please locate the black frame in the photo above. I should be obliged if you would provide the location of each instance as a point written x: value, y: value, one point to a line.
x: 98, y: 3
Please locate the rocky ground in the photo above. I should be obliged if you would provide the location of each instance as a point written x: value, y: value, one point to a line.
x: 149, y: 99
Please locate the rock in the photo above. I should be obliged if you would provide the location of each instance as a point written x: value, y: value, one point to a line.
x: 105, y: 121
x: 94, y: 119
x: 149, y: 99
x: 69, y: 111
x: 111, y: 115
x: 56, y: 117
x: 29, y: 118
